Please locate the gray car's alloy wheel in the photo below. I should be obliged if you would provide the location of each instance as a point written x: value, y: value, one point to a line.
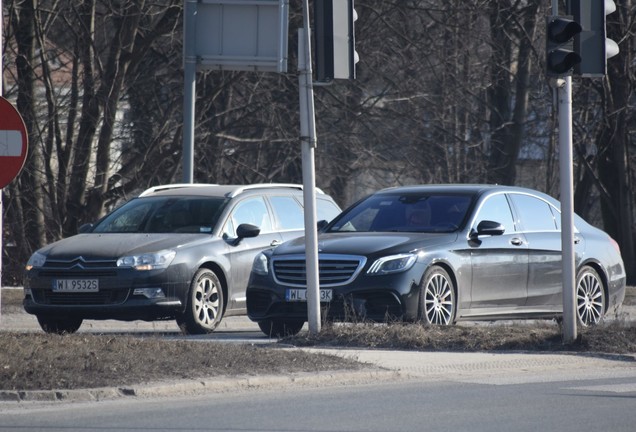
x: 437, y: 298
x: 590, y: 297
x: 280, y: 328
x: 205, y: 304
x: 57, y: 325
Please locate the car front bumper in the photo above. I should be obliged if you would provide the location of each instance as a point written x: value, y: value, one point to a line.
x: 374, y: 298
x: 122, y: 294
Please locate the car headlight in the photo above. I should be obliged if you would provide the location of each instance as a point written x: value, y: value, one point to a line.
x: 149, y: 261
x: 392, y: 264
x: 261, y: 264
x: 36, y: 260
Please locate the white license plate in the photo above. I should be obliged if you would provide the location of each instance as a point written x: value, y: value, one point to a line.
x: 75, y: 285
x: 300, y: 295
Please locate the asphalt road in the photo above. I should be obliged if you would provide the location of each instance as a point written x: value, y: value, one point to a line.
x: 405, y: 391
x: 460, y: 402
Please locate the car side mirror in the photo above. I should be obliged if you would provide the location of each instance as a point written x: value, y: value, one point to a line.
x: 487, y: 227
x: 322, y: 224
x: 247, y: 231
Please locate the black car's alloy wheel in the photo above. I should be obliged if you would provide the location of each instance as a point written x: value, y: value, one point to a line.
x: 280, y: 328
x: 590, y: 297
x: 57, y: 325
x: 205, y: 304
x: 437, y: 298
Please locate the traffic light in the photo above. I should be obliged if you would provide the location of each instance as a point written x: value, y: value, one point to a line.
x: 334, y: 32
x: 592, y: 44
x: 560, y: 55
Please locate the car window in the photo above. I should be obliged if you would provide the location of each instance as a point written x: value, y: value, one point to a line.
x: 251, y: 211
x: 289, y: 212
x: 412, y: 212
x: 535, y: 214
x: 164, y: 215
x: 497, y: 209
x: 326, y: 210
x: 128, y: 218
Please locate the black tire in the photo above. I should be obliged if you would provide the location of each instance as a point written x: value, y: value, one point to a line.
x: 57, y: 325
x: 204, y: 308
x: 590, y: 297
x: 280, y: 328
x: 437, y: 298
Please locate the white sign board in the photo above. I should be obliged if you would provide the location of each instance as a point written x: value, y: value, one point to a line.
x: 248, y: 35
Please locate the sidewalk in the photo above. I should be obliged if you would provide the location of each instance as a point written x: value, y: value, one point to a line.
x: 499, y: 368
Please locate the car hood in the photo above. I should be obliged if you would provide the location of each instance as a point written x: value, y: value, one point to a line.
x: 368, y: 243
x: 104, y: 246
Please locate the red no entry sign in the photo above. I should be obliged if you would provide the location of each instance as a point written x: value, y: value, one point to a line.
x: 13, y: 142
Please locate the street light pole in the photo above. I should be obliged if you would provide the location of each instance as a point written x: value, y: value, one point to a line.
x: 567, y: 209
x: 308, y: 138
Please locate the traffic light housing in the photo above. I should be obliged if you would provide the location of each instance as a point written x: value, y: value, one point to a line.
x: 592, y: 44
x: 560, y: 55
x: 334, y: 34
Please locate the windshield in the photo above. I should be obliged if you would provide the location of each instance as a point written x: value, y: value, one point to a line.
x: 414, y: 212
x: 164, y: 215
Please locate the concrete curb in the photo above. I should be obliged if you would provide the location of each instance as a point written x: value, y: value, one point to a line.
x: 205, y: 385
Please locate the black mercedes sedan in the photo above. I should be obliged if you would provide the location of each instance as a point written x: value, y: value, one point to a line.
x: 440, y: 254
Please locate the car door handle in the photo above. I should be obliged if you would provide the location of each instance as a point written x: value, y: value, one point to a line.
x: 516, y: 241
x: 275, y: 243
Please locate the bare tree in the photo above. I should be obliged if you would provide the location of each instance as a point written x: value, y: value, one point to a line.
x: 69, y: 77
x: 614, y: 139
x: 447, y: 91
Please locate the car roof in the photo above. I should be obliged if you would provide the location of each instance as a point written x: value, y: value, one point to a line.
x: 477, y: 189
x: 227, y: 191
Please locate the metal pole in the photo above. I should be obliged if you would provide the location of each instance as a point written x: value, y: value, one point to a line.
x: 567, y: 210
x: 1, y: 94
x: 189, y: 89
x: 564, y: 96
x: 308, y: 137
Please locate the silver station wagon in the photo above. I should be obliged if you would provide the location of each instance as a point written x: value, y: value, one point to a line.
x: 179, y: 252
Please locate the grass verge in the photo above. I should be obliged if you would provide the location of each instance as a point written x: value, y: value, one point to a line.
x: 38, y: 361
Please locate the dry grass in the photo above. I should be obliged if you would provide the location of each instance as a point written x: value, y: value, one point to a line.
x: 615, y: 337
x: 11, y: 300
x: 30, y: 361
x: 38, y: 361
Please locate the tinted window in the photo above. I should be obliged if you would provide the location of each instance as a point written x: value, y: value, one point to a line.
x: 535, y: 213
x: 164, y: 215
x: 415, y: 212
x: 496, y: 209
x: 252, y: 211
x: 288, y: 212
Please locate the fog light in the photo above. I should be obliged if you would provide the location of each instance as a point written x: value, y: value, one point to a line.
x: 151, y: 293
